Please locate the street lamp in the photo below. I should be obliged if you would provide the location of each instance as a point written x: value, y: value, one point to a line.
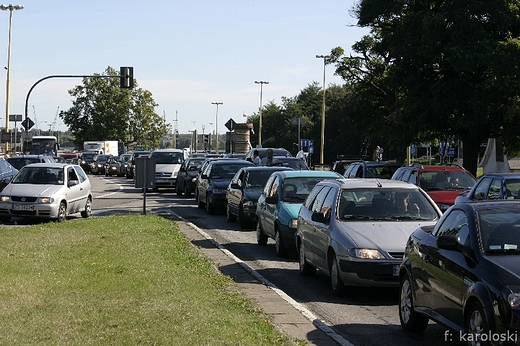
x: 11, y: 8
x: 216, y: 126
x: 260, y: 123
x: 322, y: 142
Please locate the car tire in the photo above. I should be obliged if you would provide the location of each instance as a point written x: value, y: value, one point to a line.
x: 411, y: 320
x: 475, y: 322
x: 242, y: 218
x: 337, y: 285
x: 62, y: 212
x: 209, y: 207
x: 306, y: 269
x: 87, y: 212
x: 261, y: 238
x: 281, y: 250
x: 229, y: 216
x: 5, y: 219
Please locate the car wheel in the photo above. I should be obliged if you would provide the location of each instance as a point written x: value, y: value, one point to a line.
x: 229, y: 216
x: 87, y: 212
x: 281, y: 250
x: 62, y: 212
x: 261, y: 238
x: 411, y: 320
x: 209, y: 207
x: 242, y: 218
x: 177, y: 189
x: 338, y: 287
x: 306, y: 269
x: 5, y: 219
x: 476, y: 323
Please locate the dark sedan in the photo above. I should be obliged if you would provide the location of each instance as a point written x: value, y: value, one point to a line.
x: 114, y: 166
x: 493, y: 186
x: 98, y: 163
x: 463, y: 273
x: 187, y: 176
x: 214, y: 180
x: 243, y: 192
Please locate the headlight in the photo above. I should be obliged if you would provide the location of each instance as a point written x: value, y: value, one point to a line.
x: 194, y: 179
x: 293, y: 223
x: 513, y: 299
x: 366, y: 253
x: 45, y: 200
x: 5, y: 198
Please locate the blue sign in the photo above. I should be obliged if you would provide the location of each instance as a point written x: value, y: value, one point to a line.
x: 306, y: 142
x: 413, y: 150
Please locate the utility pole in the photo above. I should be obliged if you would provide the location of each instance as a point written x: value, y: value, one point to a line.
x: 216, y: 126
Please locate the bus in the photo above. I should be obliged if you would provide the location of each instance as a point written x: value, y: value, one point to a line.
x: 44, y: 145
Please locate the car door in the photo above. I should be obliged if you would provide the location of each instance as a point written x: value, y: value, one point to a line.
x: 267, y: 211
x: 320, y: 238
x: 203, y: 183
x: 234, y: 191
x: 447, y: 269
x: 481, y: 190
x: 76, y: 193
x: 181, y: 176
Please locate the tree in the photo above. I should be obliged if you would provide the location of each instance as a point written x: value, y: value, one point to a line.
x: 103, y: 111
x: 446, y: 68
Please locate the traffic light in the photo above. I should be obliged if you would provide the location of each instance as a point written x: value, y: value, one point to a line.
x: 126, y: 77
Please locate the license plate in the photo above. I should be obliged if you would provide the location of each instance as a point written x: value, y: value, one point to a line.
x: 23, y: 207
x: 162, y: 181
x: 395, y: 269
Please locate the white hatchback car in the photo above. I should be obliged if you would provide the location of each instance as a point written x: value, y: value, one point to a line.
x: 47, y: 191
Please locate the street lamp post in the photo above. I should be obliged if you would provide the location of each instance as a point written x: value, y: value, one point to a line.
x: 322, y: 141
x: 216, y: 126
x: 260, y: 122
x: 11, y: 8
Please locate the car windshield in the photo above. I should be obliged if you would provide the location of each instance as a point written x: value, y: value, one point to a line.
x: 294, y: 163
x: 168, y: 157
x: 102, y: 158
x: 382, y: 171
x: 384, y: 204
x: 499, y: 230
x: 224, y: 171
x: 19, y: 162
x: 256, y: 180
x: 446, y: 180
x: 88, y: 156
x: 39, y: 175
x: 296, y: 190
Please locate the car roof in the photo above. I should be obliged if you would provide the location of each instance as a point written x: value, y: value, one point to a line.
x: 355, y: 183
x: 436, y: 167
x: 379, y: 163
x: 169, y: 150
x: 503, y: 175
x: 265, y: 168
x: 50, y: 165
x: 309, y: 173
x: 228, y: 161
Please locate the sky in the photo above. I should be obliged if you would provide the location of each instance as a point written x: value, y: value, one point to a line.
x: 188, y: 54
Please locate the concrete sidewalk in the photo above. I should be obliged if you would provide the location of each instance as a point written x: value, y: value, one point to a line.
x: 287, y: 315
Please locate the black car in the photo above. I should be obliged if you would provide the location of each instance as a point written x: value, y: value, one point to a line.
x: 86, y: 159
x: 243, y: 192
x: 130, y: 166
x: 187, y: 176
x: 214, y: 180
x: 19, y: 161
x: 262, y: 152
x: 372, y: 169
x: 113, y: 166
x: 97, y: 166
x: 463, y: 273
x: 7, y: 172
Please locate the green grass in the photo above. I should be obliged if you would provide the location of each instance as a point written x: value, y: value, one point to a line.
x: 119, y: 280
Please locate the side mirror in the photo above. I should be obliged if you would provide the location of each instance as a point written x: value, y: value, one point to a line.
x: 448, y: 242
x: 319, y: 217
x: 72, y: 183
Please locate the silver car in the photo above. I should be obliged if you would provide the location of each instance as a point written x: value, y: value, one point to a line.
x: 355, y: 230
x: 47, y: 191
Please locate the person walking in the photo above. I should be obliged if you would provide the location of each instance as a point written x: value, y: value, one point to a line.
x: 268, y: 160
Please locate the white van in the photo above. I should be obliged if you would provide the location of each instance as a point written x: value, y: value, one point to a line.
x: 167, y: 164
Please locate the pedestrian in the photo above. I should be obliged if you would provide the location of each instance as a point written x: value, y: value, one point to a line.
x: 256, y: 158
x: 377, y: 155
x: 268, y: 160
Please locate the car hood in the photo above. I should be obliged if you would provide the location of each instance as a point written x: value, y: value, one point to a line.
x: 34, y: 190
x: 444, y: 197
x: 252, y: 195
x: 390, y: 236
x: 288, y: 211
x: 504, y: 267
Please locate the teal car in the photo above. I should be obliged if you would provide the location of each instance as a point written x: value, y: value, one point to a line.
x: 279, y: 204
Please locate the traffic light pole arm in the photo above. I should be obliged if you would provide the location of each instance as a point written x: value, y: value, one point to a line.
x: 57, y: 76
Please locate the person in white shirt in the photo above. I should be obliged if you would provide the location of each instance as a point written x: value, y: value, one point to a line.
x: 256, y: 158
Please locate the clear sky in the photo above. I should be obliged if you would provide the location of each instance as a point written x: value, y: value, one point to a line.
x: 188, y: 54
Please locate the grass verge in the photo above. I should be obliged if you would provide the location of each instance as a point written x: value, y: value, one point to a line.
x: 119, y: 280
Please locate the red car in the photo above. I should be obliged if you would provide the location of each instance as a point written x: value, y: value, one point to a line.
x: 443, y: 183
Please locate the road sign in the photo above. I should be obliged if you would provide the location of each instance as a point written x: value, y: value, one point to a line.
x: 294, y: 121
x: 306, y: 142
x: 27, y: 124
x: 231, y: 124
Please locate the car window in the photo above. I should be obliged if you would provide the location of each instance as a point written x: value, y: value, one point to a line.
x: 312, y: 195
x: 512, y: 189
x: 257, y: 179
x: 4, y: 168
x: 481, y: 190
x: 81, y: 174
x: 319, y: 204
x: 273, y: 191
x: 452, y: 223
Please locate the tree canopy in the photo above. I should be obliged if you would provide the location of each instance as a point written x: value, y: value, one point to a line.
x: 102, y: 110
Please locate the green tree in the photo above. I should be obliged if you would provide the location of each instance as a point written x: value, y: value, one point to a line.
x: 446, y: 68
x: 101, y: 110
